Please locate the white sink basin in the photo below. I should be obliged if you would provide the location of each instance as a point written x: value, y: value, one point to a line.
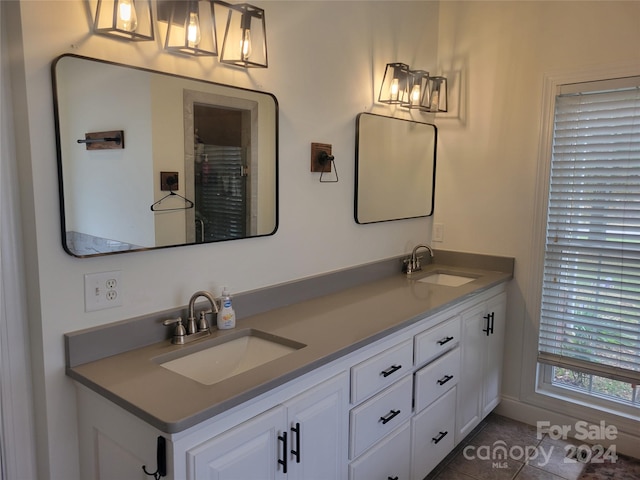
x: 447, y: 279
x: 224, y: 357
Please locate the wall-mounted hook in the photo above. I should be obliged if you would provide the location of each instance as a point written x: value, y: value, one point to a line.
x: 322, y: 161
x: 111, y: 140
x: 169, y: 181
x: 161, y: 459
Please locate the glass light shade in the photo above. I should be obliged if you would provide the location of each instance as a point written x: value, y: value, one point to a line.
x: 418, y: 88
x: 125, y: 19
x: 436, y: 100
x: 192, y: 28
x: 245, y: 37
x: 395, y: 85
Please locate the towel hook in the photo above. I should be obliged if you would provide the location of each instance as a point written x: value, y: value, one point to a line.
x: 161, y: 460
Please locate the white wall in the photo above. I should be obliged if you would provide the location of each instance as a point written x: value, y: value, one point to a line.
x: 326, y: 60
x: 489, y: 148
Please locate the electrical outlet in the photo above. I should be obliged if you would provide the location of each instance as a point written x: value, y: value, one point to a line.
x: 438, y: 232
x: 102, y: 290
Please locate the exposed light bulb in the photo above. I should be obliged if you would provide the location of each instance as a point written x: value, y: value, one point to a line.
x: 435, y: 100
x: 415, y: 95
x: 193, y: 30
x: 127, y: 17
x: 245, y: 44
x: 395, y: 89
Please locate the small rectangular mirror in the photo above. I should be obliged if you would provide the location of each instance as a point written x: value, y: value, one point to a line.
x: 395, y: 168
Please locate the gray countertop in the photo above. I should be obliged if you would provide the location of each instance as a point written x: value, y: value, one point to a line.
x: 361, y: 314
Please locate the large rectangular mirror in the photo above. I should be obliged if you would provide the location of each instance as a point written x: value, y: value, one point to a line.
x: 395, y: 168
x: 198, y: 161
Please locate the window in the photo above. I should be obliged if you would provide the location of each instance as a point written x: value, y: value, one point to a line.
x: 590, y: 310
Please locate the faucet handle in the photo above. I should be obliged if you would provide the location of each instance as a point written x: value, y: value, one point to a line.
x: 203, y: 325
x: 179, y: 332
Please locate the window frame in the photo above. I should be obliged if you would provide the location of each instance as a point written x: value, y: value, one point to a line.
x: 533, y: 391
x: 585, y: 222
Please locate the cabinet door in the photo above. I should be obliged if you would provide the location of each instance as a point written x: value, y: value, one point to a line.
x: 318, y: 422
x: 495, y: 349
x: 474, y: 341
x: 249, y: 451
x: 481, y: 367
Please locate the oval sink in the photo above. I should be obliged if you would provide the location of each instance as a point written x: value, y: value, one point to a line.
x: 223, y: 357
x: 447, y: 279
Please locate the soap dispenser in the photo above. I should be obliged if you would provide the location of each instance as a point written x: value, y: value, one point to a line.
x: 226, y: 315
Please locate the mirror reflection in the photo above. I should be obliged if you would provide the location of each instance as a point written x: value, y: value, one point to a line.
x: 197, y: 162
x: 395, y: 168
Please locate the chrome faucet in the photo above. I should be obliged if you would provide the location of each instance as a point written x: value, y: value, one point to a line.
x: 412, y: 264
x: 193, y: 330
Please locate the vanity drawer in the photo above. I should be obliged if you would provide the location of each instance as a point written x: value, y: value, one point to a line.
x: 432, y: 434
x: 435, y: 341
x: 436, y: 378
x: 379, y: 415
x: 380, y: 371
x: 391, y: 458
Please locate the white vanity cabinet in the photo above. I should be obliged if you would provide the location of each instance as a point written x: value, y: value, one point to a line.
x: 302, y: 439
x: 483, y: 327
x: 390, y: 410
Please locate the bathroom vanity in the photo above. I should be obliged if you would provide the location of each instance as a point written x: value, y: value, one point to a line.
x: 384, y: 379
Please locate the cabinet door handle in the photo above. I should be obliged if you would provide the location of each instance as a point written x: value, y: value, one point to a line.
x: 389, y: 416
x: 445, y: 379
x: 283, y: 462
x: 393, y: 478
x: 296, y: 452
x: 489, y: 319
x: 439, y: 437
x: 444, y: 340
x: 492, y: 318
x: 390, y: 370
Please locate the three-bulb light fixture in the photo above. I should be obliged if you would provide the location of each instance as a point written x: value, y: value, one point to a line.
x: 191, y: 27
x: 413, y: 89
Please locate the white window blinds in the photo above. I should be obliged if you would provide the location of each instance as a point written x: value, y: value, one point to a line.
x: 590, y: 311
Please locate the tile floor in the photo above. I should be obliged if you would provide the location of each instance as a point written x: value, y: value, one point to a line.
x: 546, y: 457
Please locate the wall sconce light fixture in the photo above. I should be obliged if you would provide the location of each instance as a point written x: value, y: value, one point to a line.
x: 395, y: 85
x: 125, y: 19
x: 413, y: 89
x: 192, y: 28
x: 437, y: 101
x: 245, y: 36
x: 418, y: 88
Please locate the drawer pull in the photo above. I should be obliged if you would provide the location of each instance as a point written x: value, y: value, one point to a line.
x: 389, y: 416
x: 439, y: 437
x: 390, y: 370
x: 392, y: 478
x: 296, y: 452
x: 445, y: 379
x: 283, y: 462
x: 444, y: 340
